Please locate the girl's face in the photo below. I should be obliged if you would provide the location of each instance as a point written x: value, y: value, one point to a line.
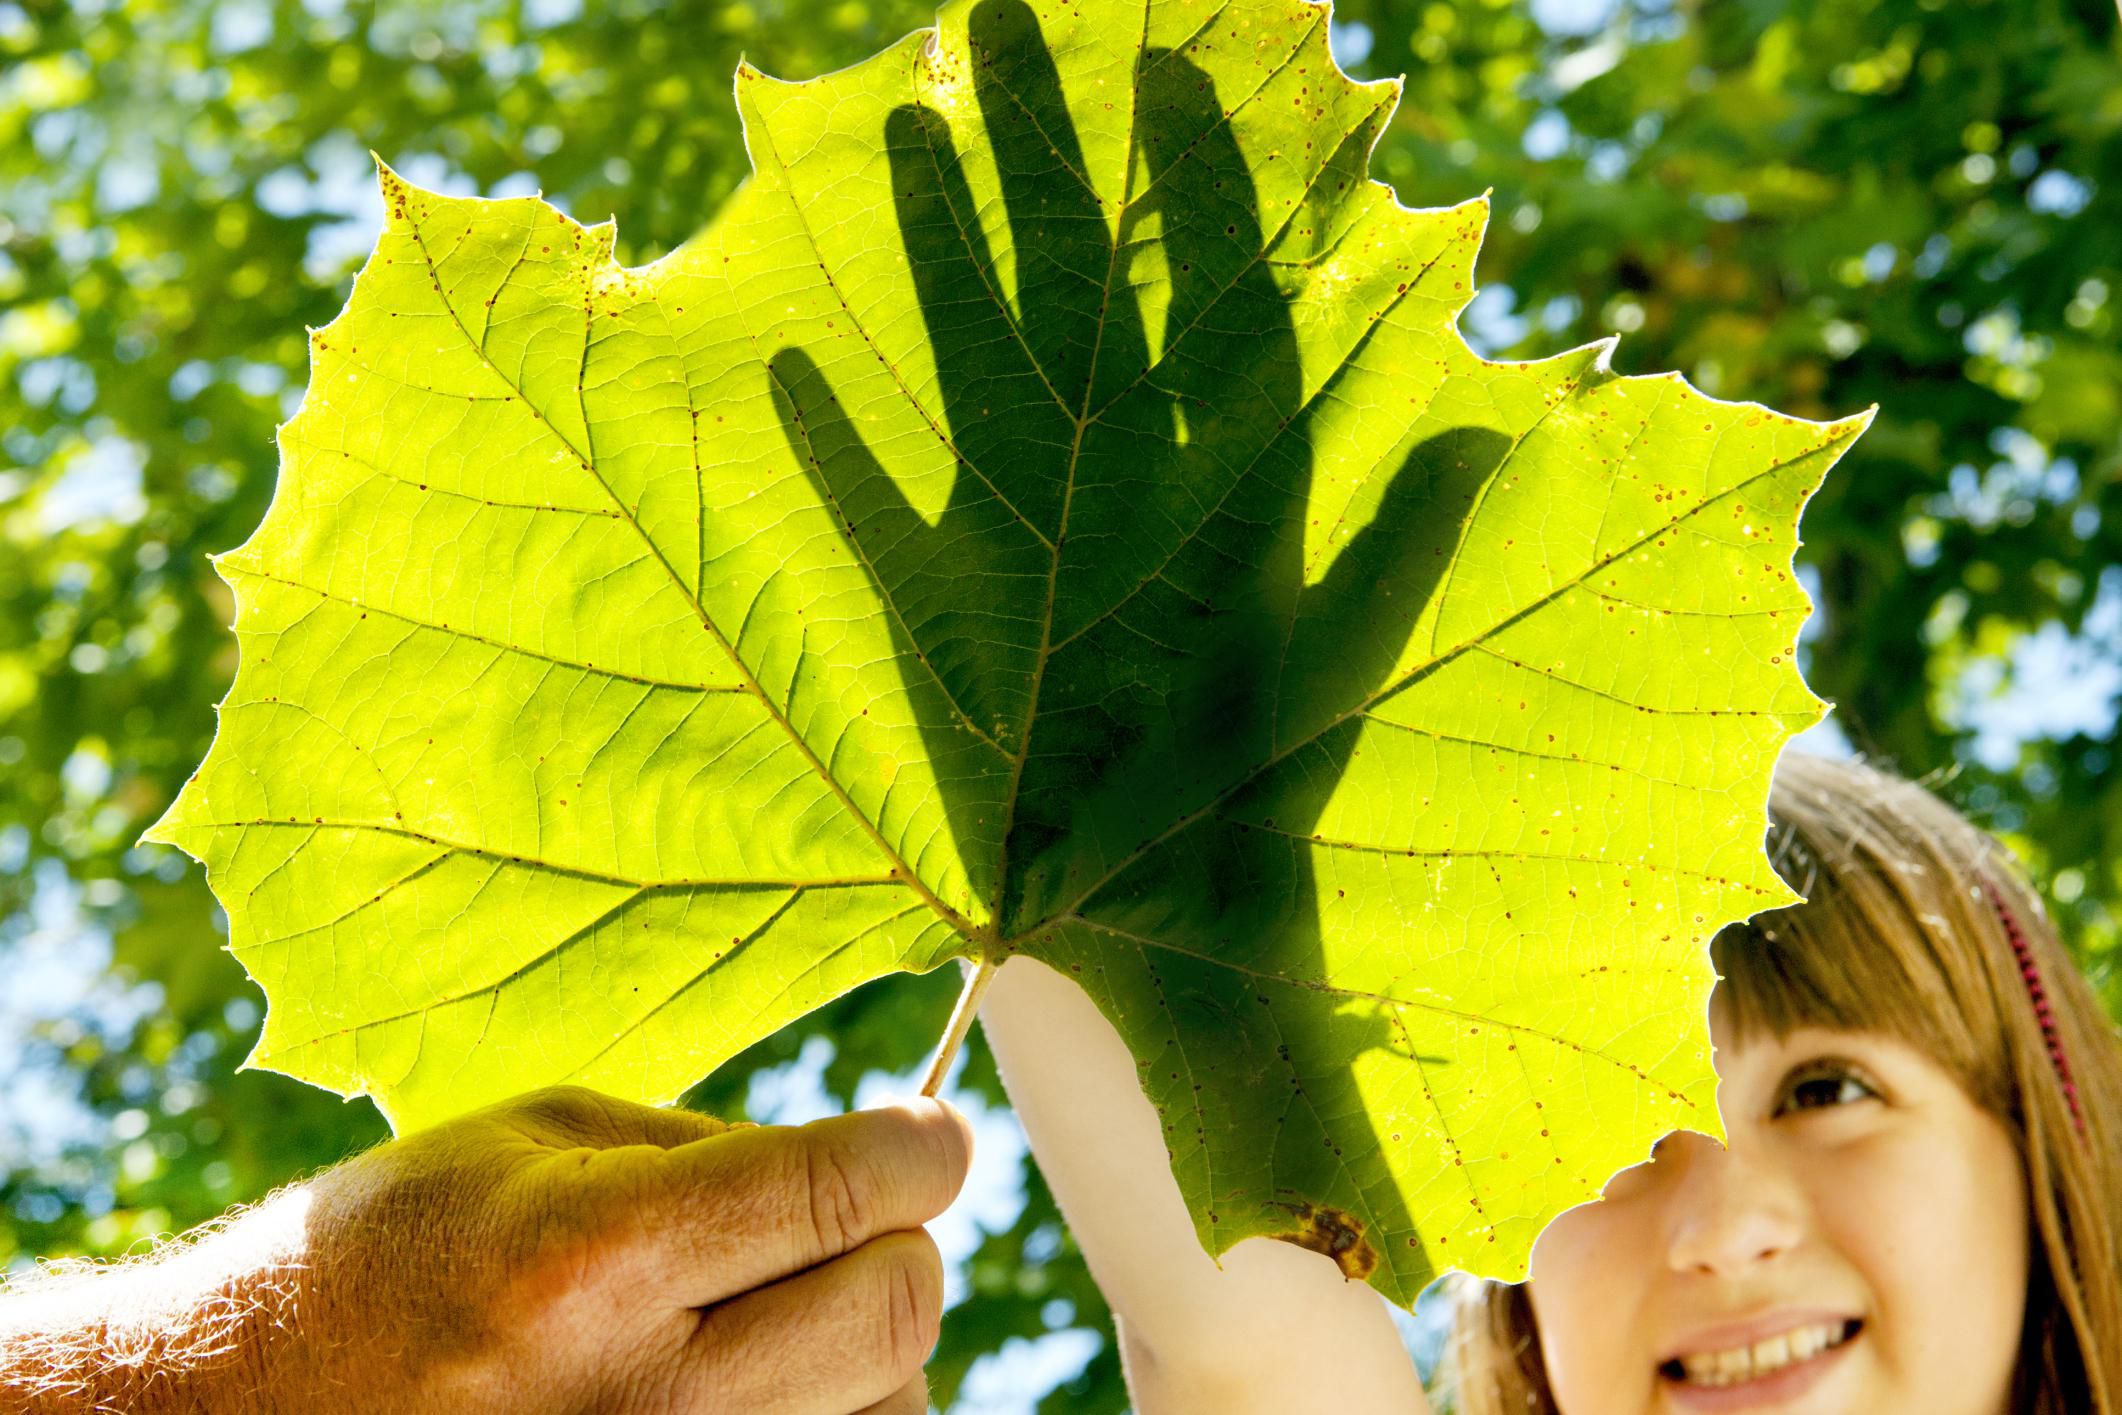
x: 1861, y: 1246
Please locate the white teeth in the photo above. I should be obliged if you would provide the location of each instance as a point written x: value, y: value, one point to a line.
x: 1742, y: 1363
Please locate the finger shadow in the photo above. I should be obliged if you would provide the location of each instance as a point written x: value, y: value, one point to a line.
x: 1111, y: 610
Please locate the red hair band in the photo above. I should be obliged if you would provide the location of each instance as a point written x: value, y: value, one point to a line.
x: 2031, y: 973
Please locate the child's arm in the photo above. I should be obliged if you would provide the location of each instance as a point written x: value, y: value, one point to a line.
x: 1276, y: 1330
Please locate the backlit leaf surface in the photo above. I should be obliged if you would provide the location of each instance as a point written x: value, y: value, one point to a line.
x: 1049, y: 511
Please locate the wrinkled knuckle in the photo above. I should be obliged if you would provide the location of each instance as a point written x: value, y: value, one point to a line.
x: 841, y: 1206
x: 912, y: 1309
x: 953, y: 1156
x: 554, y: 1105
x: 567, y: 1099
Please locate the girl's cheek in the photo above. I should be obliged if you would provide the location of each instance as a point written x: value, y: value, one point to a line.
x: 1588, y: 1303
x: 1933, y: 1219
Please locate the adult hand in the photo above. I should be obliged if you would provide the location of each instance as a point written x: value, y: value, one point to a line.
x: 560, y: 1252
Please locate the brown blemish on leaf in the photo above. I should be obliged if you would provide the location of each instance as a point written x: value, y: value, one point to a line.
x: 1336, y: 1233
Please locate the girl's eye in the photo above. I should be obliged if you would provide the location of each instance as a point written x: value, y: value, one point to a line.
x: 1820, y: 1087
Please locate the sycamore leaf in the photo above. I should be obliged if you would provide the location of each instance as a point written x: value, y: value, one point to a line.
x: 1049, y: 511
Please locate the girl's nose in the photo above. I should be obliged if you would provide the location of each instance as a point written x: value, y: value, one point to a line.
x: 1727, y: 1210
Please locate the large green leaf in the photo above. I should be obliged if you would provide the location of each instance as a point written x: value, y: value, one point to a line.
x: 1050, y: 511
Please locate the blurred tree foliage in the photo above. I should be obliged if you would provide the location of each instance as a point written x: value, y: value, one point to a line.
x: 1818, y: 204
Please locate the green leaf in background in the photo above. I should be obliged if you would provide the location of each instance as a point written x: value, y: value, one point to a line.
x: 1050, y: 511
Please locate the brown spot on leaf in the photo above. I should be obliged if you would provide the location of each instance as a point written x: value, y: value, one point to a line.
x: 1334, y: 1232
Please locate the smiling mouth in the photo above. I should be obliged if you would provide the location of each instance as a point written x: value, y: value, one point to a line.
x: 1764, y: 1358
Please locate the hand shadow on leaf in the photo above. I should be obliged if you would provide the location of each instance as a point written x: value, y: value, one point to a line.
x: 1116, y: 589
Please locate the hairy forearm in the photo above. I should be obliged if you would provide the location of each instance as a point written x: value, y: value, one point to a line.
x: 200, y: 1324
x: 268, y: 1310
x: 310, y: 1300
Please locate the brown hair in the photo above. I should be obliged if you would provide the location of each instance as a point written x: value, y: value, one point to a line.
x: 1916, y: 926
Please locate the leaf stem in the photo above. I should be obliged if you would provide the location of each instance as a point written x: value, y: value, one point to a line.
x: 961, y: 1022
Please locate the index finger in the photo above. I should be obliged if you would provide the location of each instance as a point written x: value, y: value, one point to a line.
x: 749, y: 1207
